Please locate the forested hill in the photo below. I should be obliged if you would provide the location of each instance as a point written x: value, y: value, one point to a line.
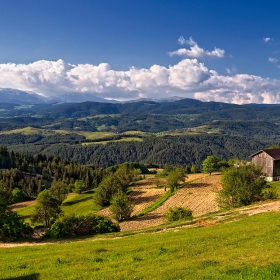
x: 183, y: 150
x: 205, y: 110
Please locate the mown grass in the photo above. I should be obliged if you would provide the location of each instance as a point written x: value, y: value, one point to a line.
x: 244, y: 249
x: 156, y: 204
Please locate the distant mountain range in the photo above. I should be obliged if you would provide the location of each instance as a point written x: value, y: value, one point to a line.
x: 19, y: 97
x: 15, y: 96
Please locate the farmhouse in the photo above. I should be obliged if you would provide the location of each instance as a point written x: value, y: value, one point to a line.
x: 270, y: 161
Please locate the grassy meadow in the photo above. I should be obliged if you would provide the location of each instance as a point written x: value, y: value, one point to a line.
x: 82, y: 204
x: 244, y: 249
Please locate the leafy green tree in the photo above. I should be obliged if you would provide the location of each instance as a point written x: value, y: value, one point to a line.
x: 241, y: 186
x: 46, y: 208
x: 210, y: 164
x: 121, y: 207
x: 79, y: 186
x: 174, y: 178
x: 193, y: 168
x: 59, y: 190
x: 17, y: 196
x: 11, y: 224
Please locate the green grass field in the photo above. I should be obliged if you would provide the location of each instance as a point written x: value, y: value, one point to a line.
x: 80, y: 204
x: 127, y: 139
x: 243, y: 249
x: 29, y: 130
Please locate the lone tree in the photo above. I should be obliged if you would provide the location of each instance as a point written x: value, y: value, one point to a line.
x: 47, y: 207
x: 174, y: 177
x: 241, y: 186
x: 121, y: 206
x: 210, y: 164
x: 59, y: 190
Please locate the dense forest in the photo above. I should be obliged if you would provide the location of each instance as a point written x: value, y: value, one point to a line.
x: 174, y: 150
x: 31, y: 174
x: 182, y: 132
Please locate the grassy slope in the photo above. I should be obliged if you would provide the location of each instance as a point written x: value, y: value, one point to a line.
x: 75, y: 204
x: 244, y: 249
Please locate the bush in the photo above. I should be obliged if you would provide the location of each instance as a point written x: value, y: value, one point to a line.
x: 69, y: 226
x: 121, y: 206
x: 270, y: 193
x: 12, y: 227
x: 241, y: 186
x: 179, y: 213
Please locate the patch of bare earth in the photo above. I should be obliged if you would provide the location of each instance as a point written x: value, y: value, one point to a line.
x: 144, y: 193
x: 199, y: 196
x: 20, y: 205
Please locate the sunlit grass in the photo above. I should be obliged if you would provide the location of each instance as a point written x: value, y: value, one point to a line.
x: 244, y: 249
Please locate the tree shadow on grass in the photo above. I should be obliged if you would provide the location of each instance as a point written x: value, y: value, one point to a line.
x: 70, y: 203
x: 34, y: 276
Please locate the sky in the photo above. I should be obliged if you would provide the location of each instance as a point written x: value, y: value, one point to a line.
x: 211, y: 50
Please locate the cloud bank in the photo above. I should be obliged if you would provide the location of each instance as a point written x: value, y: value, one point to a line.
x: 188, y: 78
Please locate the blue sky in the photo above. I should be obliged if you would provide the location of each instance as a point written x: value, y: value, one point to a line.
x: 116, y: 44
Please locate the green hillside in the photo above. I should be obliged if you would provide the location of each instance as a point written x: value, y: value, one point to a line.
x: 243, y: 249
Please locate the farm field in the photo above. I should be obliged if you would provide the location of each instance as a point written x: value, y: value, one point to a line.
x: 199, y: 196
x: 235, y: 250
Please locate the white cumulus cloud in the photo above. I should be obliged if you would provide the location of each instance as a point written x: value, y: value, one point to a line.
x: 188, y: 78
x: 195, y: 51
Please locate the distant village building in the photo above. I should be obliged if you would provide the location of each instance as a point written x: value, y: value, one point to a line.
x: 269, y: 160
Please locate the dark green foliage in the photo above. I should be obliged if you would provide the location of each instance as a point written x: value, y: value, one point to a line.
x: 241, y: 186
x: 121, y: 207
x: 32, y: 174
x: 12, y: 226
x: 69, y: 226
x: 17, y: 196
x: 179, y: 150
x: 59, y: 190
x: 46, y: 208
x: 178, y: 213
x: 115, y: 182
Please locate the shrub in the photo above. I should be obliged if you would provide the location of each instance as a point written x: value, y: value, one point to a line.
x: 69, y: 226
x: 121, y: 206
x: 241, y: 186
x: 270, y: 193
x: 12, y: 227
x: 179, y: 213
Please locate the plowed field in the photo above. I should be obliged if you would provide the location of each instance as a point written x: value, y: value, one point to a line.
x: 199, y: 196
x: 144, y: 194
